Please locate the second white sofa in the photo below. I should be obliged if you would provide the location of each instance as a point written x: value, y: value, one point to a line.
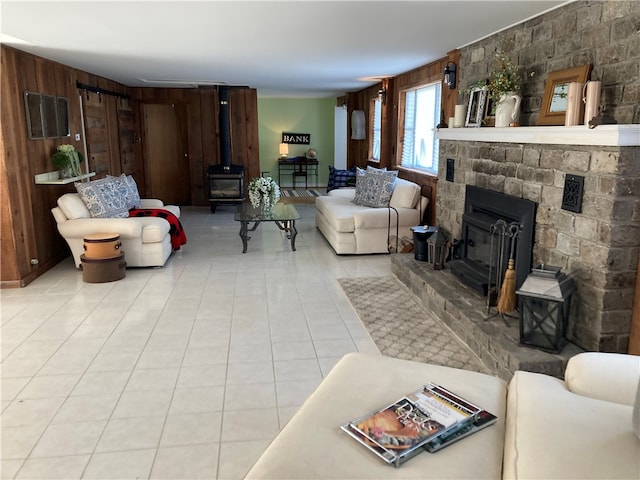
x: 356, y: 229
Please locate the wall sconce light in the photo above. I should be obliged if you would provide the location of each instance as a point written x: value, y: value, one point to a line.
x: 382, y: 95
x: 284, y: 150
x: 450, y: 75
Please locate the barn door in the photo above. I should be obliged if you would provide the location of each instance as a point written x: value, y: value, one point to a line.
x: 166, y: 157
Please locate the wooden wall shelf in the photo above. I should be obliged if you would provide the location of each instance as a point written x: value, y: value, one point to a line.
x: 51, y: 178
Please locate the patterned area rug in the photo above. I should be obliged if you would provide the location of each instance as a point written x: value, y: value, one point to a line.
x: 402, y: 328
x: 300, y: 192
x: 300, y: 195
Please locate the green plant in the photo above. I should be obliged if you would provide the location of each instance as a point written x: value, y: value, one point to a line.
x: 507, y: 77
x: 61, y: 160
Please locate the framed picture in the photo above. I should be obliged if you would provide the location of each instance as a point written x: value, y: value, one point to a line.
x: 476, y: 111
x: 490, y: 112
x: 554, y: 100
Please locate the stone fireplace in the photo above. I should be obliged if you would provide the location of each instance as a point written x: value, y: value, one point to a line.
x: 598, y: 246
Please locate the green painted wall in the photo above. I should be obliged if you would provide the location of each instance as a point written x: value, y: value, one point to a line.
x: 298, y: 115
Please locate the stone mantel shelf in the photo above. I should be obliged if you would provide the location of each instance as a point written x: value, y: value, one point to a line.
x: 602, y: 135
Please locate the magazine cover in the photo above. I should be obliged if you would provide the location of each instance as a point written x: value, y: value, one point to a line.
x: 401, y: 429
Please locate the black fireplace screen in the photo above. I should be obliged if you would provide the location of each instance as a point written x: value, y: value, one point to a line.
x: 479, y: 243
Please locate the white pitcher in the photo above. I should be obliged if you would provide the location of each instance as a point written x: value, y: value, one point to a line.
x: 508, y: 109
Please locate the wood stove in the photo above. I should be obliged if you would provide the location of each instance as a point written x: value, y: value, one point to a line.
x: 226, y: 181
x: 226, y: 185
x: 477, y: 250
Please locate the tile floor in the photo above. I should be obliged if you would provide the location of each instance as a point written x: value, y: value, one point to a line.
x: 182, y: 372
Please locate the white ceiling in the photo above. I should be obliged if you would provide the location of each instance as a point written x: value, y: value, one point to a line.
x: 284, y: 49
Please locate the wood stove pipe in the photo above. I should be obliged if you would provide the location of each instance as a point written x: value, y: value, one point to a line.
x: 225, y: 128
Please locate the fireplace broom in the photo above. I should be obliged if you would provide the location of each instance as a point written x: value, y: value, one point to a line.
x: 507, y: 300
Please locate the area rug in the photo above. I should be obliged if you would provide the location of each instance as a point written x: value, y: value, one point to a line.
x: 402, y: 328
x: 300, y: 195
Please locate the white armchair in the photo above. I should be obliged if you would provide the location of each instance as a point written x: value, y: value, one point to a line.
x: 145, y: 240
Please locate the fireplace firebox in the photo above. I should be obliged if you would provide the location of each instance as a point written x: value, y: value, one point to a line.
x: 226, y: 185
x: 478, y: 252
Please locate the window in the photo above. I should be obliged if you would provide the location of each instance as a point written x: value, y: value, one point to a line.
x: 376, y: 108
x: 421, y: 115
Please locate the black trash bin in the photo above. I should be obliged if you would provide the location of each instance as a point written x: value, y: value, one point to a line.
x: 420, y: 235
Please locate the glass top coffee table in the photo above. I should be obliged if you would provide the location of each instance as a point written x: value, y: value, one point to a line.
x: 283, y: 215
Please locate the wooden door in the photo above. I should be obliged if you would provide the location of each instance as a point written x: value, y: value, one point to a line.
x: 166, y: 159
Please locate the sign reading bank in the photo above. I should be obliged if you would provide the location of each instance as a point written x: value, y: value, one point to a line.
x: 296, y: 138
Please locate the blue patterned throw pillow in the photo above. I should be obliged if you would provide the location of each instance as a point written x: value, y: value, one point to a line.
x: 103, y: 199
x: 374, y: 188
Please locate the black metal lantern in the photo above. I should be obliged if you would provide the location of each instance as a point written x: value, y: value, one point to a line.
x: 437, y: 250
x: 545, y: 300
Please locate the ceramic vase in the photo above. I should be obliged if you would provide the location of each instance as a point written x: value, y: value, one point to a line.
x: 508, y: 109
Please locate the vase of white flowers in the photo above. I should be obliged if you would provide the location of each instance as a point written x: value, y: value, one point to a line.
x: 264, y: 192
x: 67, y: 159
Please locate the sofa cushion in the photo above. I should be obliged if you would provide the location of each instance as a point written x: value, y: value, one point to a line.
x: 103, y: 199
x: 374, y: 188
x: 338, y: 212
x: 338, y: 178
x: 312, y: 446
x: 405, y: 194
x: 73, y: 207
x: 553, y: 433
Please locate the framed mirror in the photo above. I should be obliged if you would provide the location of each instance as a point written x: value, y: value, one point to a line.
x: 33, y: 111
x: 47, y: 115
x: 554, y: 100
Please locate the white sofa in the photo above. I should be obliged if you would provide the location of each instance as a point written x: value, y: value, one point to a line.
x: 547, y: 428
x: 355, y: 229
x: 145, y: 240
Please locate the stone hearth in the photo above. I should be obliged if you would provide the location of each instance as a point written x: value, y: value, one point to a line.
x: 465, y: 312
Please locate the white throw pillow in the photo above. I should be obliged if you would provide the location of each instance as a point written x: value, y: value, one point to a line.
x: 405, y: 194
x: 73, y: 207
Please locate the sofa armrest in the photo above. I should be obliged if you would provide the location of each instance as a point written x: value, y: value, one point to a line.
x: 79, y: 228
x: 612, y: 377
x: 151, y: 203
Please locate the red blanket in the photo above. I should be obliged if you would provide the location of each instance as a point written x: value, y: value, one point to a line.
x: 178, y: 237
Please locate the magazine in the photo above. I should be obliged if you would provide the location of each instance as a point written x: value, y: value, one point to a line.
x: 482, y: 420
x: 400, y: 430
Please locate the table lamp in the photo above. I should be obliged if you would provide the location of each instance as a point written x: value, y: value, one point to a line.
x: 284, y: 150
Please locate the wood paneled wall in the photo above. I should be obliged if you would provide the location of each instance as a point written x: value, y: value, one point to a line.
x: 203, y: 130
x: 114, y: 146
x: 358, y: 150
x: 28, y: 228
